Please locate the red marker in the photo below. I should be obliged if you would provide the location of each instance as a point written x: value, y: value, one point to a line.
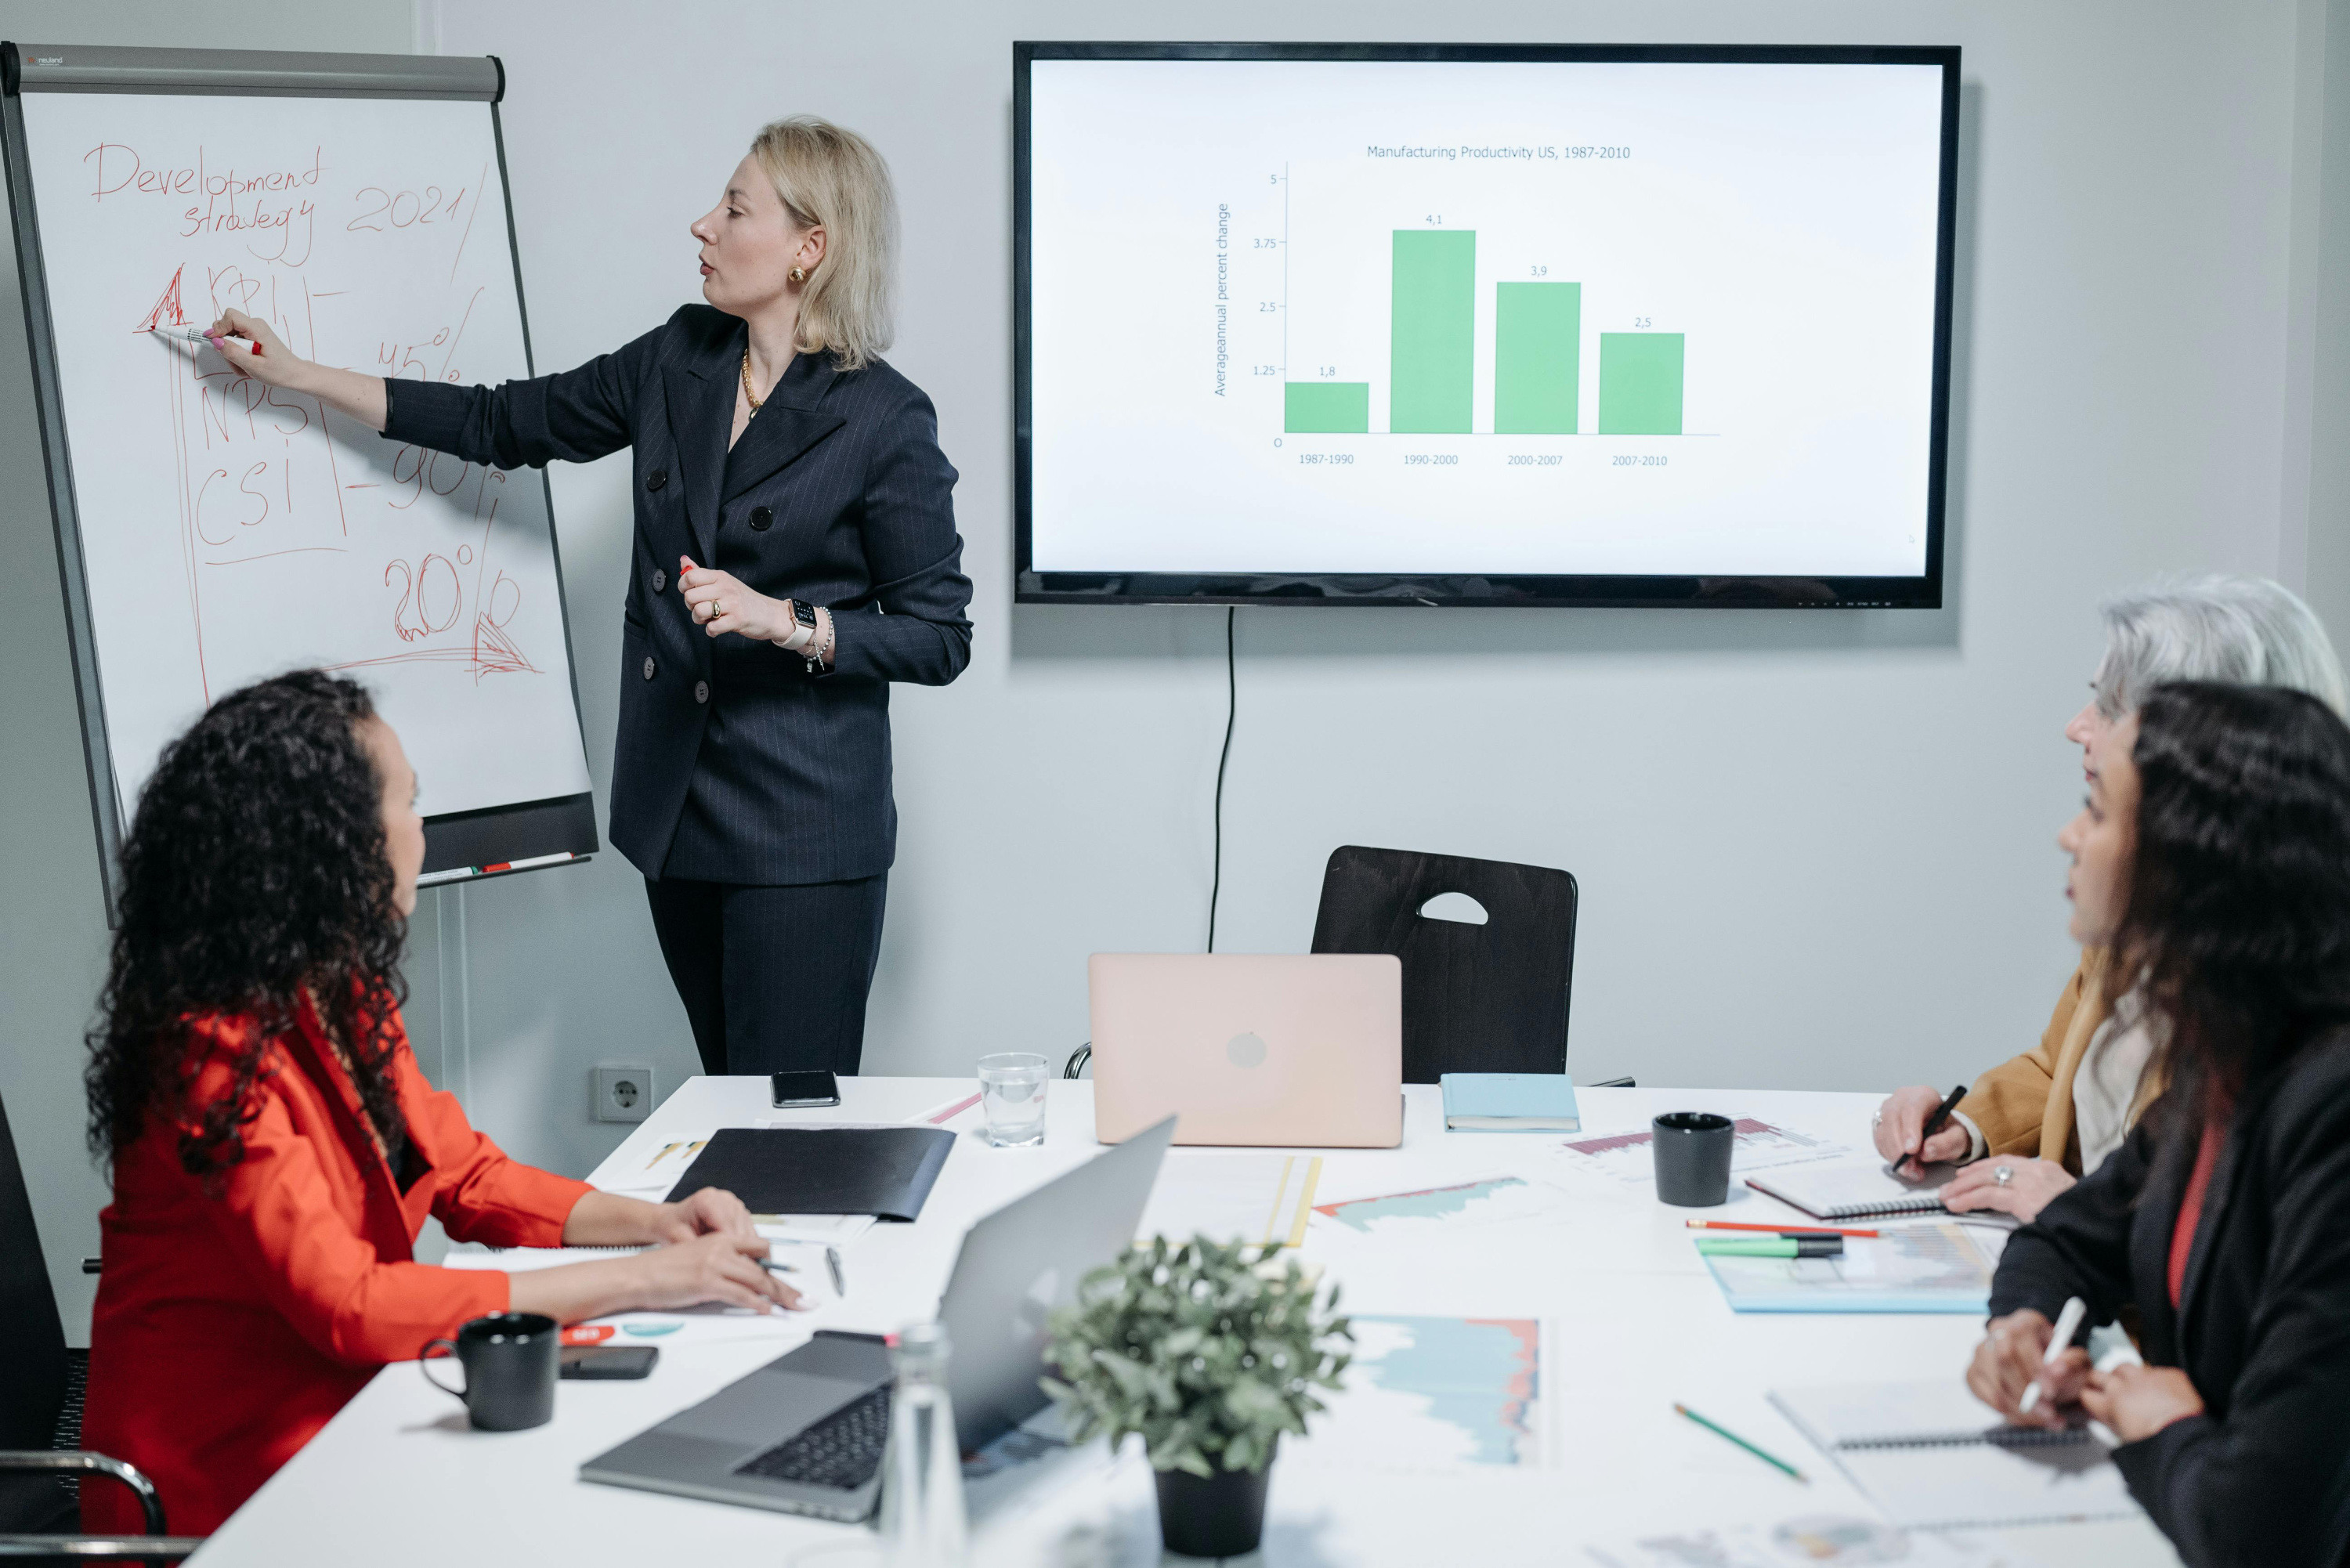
x: 1775, y: 1230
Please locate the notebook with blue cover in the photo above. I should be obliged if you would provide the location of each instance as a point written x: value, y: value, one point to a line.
x: 1510, y: 1102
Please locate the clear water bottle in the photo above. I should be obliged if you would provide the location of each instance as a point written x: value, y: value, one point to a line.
x: 922, y: 1520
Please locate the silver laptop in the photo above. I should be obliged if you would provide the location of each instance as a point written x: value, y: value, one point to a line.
x: 804, y: 1433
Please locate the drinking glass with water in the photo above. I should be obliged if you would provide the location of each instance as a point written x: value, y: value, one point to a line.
x: 1012, y: 1093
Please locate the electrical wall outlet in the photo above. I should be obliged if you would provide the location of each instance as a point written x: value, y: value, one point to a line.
x: 623, y: 1093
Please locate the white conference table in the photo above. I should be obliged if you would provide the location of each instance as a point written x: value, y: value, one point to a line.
x: 1631, y: 1322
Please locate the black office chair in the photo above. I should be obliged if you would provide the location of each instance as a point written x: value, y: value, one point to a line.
x: 1477, y: 998
x: 40, y: 1409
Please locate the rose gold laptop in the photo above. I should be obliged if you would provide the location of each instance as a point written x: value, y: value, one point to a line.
x: 1286, y: 1052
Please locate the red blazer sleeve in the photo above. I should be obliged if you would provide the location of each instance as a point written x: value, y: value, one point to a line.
x: 482, y: 1196
x: 276, y: 1215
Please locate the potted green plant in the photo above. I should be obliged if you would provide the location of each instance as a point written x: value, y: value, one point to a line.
x: 1210, y: 1352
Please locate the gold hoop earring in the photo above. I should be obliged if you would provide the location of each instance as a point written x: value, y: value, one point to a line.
x: 797, y: 275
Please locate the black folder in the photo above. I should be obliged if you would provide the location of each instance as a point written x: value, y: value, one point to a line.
x: 882, y: 1171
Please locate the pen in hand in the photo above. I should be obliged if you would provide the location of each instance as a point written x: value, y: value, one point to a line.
x: 2068, y: 1323
x: 1934, y: 1124
x: 831, y: 1263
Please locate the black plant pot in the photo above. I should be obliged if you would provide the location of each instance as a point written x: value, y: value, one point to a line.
x: 1222, y: 1516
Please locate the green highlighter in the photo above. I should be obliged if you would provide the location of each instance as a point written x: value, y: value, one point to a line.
x: 1771, y: 1246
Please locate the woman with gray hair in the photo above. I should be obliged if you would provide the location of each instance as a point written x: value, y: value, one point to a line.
x: 2034, y: 1125
x: 796, y: 553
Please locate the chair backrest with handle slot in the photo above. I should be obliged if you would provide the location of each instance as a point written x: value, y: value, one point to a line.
x: 1477, y: 997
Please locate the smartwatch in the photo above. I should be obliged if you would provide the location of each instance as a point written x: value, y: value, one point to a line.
x: 806, y: 634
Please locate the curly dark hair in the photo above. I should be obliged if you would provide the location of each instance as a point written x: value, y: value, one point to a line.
x: 2237, y: 921
x: 255, y: 869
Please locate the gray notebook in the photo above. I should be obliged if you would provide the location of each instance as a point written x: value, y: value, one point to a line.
x: 1933, y: 1458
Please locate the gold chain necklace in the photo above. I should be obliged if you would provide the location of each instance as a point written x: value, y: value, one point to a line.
x: 748, y: 396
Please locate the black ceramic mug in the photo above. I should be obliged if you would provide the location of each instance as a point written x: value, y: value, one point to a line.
x: 1692, y: 1150
x: 509, y: 1359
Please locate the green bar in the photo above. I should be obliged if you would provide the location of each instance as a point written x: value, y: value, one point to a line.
x: 1639, y: 383
x: 1537, y: 358
x: 1326, y: 408
x: 1434, y: 313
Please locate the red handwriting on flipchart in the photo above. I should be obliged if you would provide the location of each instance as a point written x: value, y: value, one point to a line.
x: 265, y: 473
x: 276, y: 202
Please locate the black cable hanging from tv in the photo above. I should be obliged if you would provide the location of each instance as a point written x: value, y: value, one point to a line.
x: 1076, y: 1065
x: 1232, y: 711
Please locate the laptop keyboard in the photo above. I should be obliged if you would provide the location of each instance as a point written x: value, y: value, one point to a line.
x: 842, y: 1451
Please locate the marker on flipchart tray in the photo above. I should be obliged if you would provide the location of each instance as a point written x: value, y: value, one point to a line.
x: 198, y: 334
x: 495, y: 868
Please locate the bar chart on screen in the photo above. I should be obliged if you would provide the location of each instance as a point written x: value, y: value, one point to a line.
x: 1542, y: 317
x: 1505, y: 350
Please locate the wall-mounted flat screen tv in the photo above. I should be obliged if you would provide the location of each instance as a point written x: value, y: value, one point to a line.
x: 1379, y: 324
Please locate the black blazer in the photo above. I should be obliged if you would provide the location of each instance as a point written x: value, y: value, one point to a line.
x: 2261, y: 1477
x: 836, y: 494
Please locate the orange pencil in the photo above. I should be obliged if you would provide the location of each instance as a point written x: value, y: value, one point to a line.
x: 1774, y: 1230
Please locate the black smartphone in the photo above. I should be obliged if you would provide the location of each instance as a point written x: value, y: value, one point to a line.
x: 603, y: 1362
x: 817, y: 1088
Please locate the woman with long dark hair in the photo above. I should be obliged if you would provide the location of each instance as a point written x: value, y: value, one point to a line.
x: 276, y: 1148
x: 2040, y: 1121
x: 2213, y: 859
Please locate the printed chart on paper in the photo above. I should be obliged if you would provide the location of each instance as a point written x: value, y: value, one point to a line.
x: 1759, y: 1145
x: 1435, y: 1392
x: 1456, y: 1209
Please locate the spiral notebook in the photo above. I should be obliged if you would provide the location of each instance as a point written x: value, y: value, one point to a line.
x: 1855, y: 1191
x: 1934, y: 1458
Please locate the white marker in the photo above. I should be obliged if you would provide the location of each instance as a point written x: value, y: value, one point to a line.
x: 198, y: 334
x: 2068, y: 1323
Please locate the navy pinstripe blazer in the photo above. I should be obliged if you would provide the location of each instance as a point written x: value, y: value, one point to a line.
x: 836, y: 494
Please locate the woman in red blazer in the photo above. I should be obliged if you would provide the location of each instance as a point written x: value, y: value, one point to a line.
x: 275, y: 1147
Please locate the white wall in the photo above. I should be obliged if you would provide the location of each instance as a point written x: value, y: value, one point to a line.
x: 1815, y: 849
x: 2322, y: 256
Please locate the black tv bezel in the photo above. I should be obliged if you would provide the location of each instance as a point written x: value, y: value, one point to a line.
x: 1924, y: 591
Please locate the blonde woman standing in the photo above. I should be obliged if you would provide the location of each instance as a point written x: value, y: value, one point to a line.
x: 795, y: 552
